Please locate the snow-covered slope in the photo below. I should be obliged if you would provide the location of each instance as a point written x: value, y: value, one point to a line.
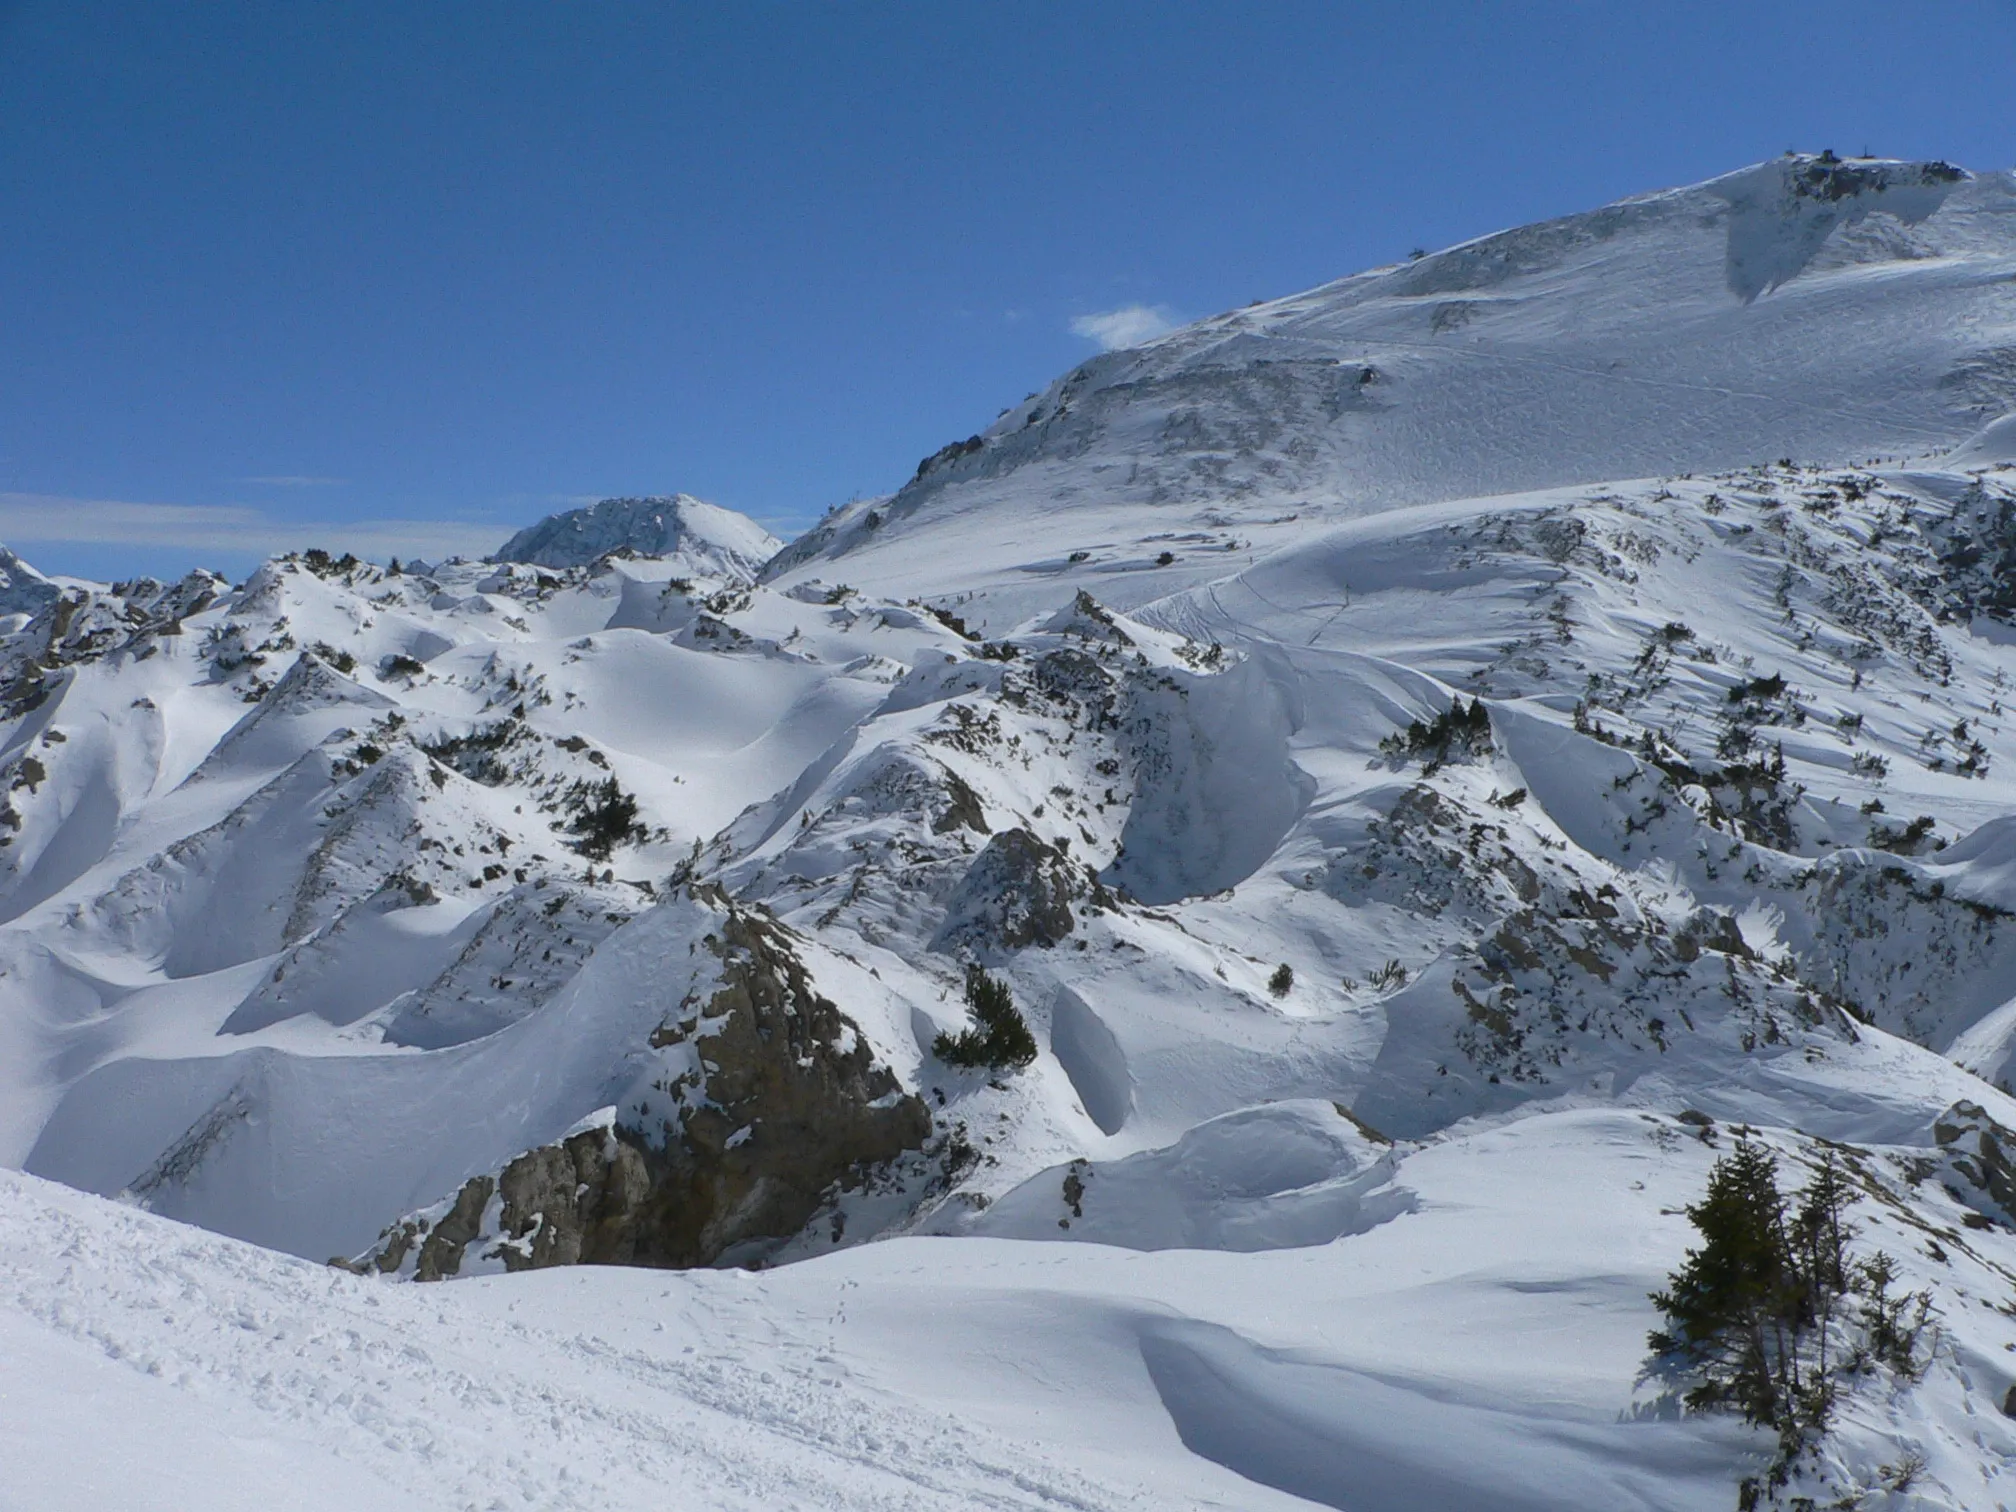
x: 1825, y: 312
x: 1478, y: 1349
x: 700, y: 539
x: 1428, y: 780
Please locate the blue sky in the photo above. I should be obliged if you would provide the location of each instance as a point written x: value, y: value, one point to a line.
x: 403, y: 277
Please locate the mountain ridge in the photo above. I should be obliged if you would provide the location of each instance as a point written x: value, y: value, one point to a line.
x: 1890, y: 330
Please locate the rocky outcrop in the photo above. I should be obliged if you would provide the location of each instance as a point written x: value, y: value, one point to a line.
x: 757, y: 1103
x: 23, y: 590
x: 964, y: 810
x: 1980, y: 1158
x: 1018, y: 892
x: 709, y: 540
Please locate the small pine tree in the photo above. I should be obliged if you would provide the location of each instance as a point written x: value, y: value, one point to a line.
x: 1001, y: 1040
x: 1458, y: 728
x: 1282, y: 980
x: 604, y: 817
x: 1755, y: 1313
x: 1723, y: 1305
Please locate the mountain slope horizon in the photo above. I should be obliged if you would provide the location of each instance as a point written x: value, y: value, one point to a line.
x: 1820, y: 310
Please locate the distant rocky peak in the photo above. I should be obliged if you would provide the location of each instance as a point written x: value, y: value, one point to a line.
x: 23, y: 590
x: 712, y: 541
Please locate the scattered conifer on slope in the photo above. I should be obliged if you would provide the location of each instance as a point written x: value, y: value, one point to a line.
x: 1001, y: 1040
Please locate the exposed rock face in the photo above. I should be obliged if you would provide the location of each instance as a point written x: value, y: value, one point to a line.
x: 441, y: 1254
x: 1017, y: 892
x: 965, y: 811
x: 1979, y: 1151
x: 44, y: 627
x: 757, y: 1103
x: 785, y: 1100
x: 556, y: 1206
x: 23, y: 590
x: 715, y: 542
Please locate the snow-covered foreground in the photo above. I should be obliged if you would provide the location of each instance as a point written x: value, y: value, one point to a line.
x: 1478, y: 1349
x: 920, y: 1372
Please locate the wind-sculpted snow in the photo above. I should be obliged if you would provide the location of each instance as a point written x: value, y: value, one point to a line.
x: 747, y: 1104
x: 1215, y: 788
x: 1328, y: 1435
x: 1993, y: 444
x: 1278, y: 1177
x: 1088, y: 1053
x: 1780, y: 222
x: 1406, y: 894
x: 315, y: 1153
x: 1361, y: 1374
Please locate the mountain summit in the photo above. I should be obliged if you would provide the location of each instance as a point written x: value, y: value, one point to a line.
x: 23, y: 590
x: 717, y: 542
x: 1807, y: 307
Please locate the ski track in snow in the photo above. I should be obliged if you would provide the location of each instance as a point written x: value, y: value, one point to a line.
x: 452, y: 1405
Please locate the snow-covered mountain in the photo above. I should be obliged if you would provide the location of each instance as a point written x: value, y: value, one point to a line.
x: 703, y: 539
x: 23, y: 590
x: 1434, y: 764
x: 1828, y: 312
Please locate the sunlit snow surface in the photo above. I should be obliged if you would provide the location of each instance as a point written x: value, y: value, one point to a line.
x: 298, y: 937
x: 1479, y: 1352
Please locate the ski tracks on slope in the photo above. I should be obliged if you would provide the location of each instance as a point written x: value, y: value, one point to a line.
x: 458, y: 1407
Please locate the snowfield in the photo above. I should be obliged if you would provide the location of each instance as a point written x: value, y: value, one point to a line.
x: 1478, y: 1348
x: 1436, y: 763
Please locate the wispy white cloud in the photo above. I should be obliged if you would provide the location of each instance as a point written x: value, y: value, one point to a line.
x: 296, y: 482
x: 1130, y: 325
x: 27, y: 519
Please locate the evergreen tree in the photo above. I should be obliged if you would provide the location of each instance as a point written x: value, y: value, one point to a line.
x: 1001, y: 1041
x: 604, y: 817
x: 1456, y: 729
x: 1769, y: 1315
x: 1724, y: 1305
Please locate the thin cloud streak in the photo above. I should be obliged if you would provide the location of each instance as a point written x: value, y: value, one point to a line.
x: 52, y: 519
x: 1128, y: 326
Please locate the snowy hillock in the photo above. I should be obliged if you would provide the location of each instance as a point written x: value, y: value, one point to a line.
x: 703, y: 540
x: 1216, y: 934
x: 1282, y: 1176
